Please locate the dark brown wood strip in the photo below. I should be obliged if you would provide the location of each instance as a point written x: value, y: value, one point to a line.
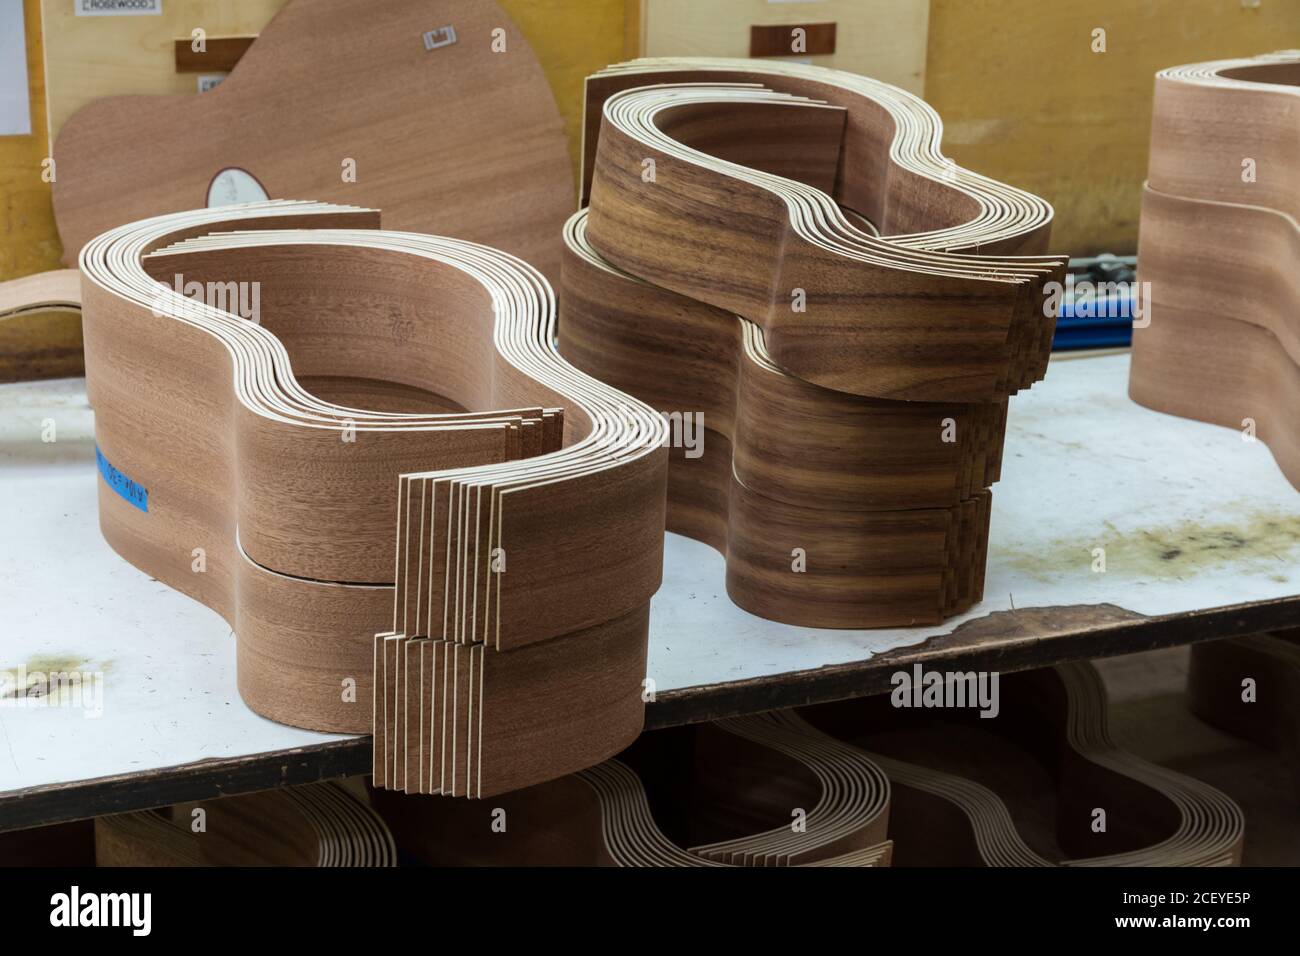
x: 220, y: 54
x: 817, y: 39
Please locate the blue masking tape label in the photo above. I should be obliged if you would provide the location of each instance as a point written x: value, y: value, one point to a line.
x: 136, y: 494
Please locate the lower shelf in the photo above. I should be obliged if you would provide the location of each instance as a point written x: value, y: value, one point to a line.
x: 1196, y: 530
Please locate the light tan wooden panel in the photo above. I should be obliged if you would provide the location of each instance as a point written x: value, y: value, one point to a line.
x: 885, y: 39
x: 90, y: 57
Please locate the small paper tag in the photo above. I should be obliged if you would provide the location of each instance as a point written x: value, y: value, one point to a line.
x: 443, y: 36
x: 208, y: 81
x: 118, y: 8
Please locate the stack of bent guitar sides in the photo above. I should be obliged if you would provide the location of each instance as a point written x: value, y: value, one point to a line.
x: 708, y: 795
x: 321, y: 824
x: 830, y: 314
x: 255, y: 462
x: 1219, y: 251
x: 853, y: 783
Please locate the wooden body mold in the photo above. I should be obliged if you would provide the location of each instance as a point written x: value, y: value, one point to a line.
x: 404, y: 106
x: 1219, y: 251
x: 720, y: 794
x: 970, y: 791
x: 723, y: 193
x: 319, y: 824
x: 227, y: 478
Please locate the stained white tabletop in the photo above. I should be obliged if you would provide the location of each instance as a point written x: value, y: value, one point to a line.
x: 1190, y: 516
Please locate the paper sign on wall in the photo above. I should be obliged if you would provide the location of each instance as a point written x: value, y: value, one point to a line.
x: 15, y: 109
x: 118, y: 8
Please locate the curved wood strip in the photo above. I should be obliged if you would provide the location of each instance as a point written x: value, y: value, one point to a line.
x: 1207, y: 119
x: 847, y: 812
x: 467, y: 720
x: 1155, y: 816
x: 792, y: 440
x: 58, y: 290
x: 752, y: 237
x: 863, y: 568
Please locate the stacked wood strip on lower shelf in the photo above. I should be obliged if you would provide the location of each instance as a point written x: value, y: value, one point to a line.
x: 892, y: 175
x: 320, y: 824
x: 1040, y: 784
x: 1219, y: 251
x: 860, y: 782
x: 1029, y: 777
x: 226, y: 477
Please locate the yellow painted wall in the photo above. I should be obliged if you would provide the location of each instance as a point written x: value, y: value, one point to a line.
x: 572, y: 39
x: 42, y: 344
x: 28, y: 242
x: 1025, y: 100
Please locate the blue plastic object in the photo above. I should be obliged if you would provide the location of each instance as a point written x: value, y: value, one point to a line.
x: 1114, y: 327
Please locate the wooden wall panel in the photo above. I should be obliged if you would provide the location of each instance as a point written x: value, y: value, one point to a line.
x: 90, y: 57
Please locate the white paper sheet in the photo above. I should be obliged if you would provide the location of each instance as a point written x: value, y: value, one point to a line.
x: 15, y: 106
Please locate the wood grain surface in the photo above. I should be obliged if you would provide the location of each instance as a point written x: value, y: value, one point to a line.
x: 890, y: 507
x: 792, y: 440
x: 891, y: 515
x: 322, y: 824
x: 774, y: 246
x: 457, y: 140
x: 714, y: 795
x: 781, y: 254
x: 893, y: 172
x: 292, y: 498
x: 1219, y: 251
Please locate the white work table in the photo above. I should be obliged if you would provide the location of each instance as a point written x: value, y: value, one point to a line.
x: 1199, y: 527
